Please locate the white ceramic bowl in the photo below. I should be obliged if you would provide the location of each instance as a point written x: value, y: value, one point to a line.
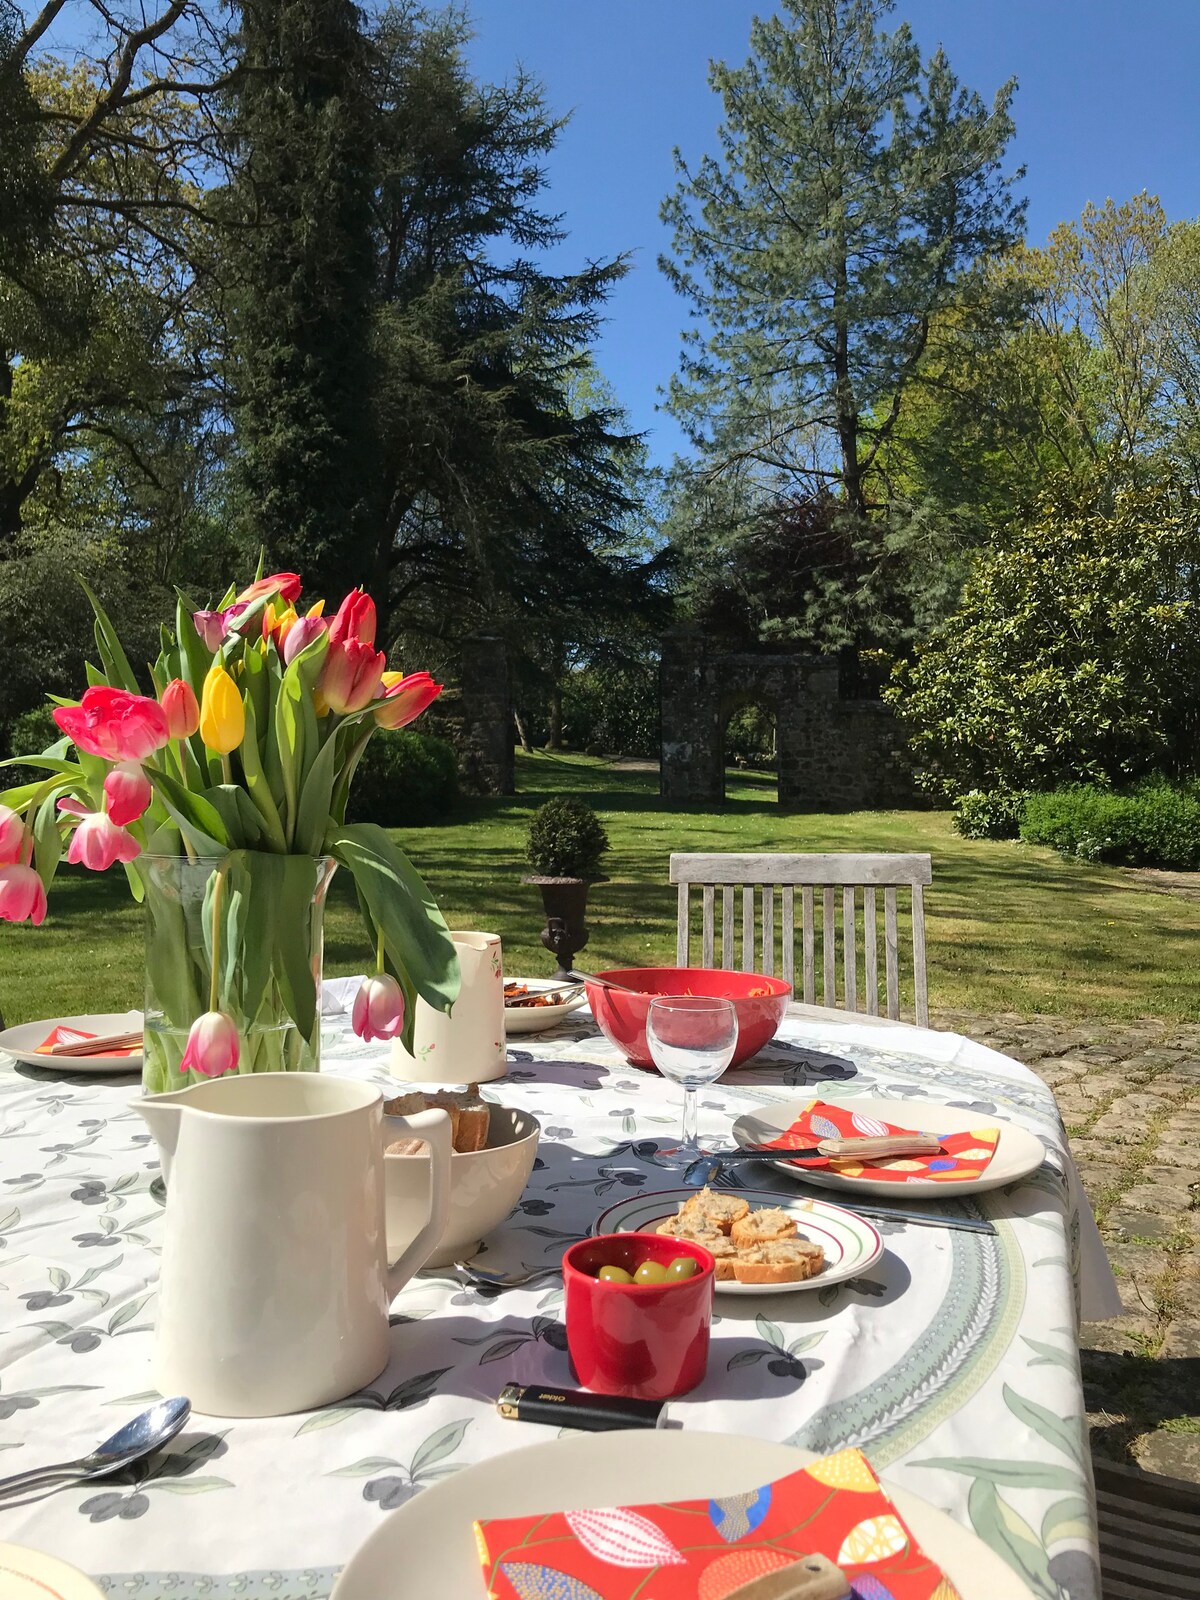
x: 485, y: 1185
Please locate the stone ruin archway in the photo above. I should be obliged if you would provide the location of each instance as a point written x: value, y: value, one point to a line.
x: 833, y: 753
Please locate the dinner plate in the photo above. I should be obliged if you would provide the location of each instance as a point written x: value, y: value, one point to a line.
x: 22, y: 1041
x: 32, y: 1575
x: 851, y: 1244
x: 427, y: 1546
x: 536, y: 1019
x: 1017, y: 1154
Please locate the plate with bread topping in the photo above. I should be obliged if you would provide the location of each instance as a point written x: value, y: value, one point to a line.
x: 762, y: 1243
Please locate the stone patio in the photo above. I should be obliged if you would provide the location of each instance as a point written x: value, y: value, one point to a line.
x: 1130, y: 1097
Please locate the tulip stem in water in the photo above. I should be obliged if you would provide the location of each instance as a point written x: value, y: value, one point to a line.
x: 218, y: 895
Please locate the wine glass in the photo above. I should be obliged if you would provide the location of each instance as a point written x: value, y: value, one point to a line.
x: 692, y: 1039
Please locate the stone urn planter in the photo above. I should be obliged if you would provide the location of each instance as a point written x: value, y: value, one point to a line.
x: 566, y: 844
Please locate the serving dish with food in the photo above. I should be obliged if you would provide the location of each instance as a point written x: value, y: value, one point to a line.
x: 531, y: 1006
x: 761, y: 1243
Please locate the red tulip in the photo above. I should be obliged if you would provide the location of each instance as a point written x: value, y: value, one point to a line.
x: 405, y: 698
x: 300, y: 635
x: 22, y: 895
x: 351, y: 676
x: 97, y: 842
x: 12, y: 836
x: 212, y: 1046
x: 286, y: 584
x: 355, y: 619
x: 114, y: 724
x: 181, y: 709
x: 378, y: 1008
x: 127, y: 791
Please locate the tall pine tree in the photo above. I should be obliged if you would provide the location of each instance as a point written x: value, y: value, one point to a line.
x: 855, y: 190
x: 302, y: 296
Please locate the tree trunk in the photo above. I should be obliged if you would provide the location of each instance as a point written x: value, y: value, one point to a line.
x: 554, y: 742
x: 521, y: 734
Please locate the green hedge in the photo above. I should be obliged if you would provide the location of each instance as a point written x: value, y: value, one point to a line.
x: 979, y: 815
x: 1157, y: 824
x: 404, y: 780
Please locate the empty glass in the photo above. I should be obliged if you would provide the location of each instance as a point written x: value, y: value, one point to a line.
x: 692, y: 1039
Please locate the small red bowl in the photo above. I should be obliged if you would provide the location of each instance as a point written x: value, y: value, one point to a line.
x: 646, y: 1341
x: 622, y: 1017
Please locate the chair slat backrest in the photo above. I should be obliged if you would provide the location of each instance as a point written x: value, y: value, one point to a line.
x: 764, y: 878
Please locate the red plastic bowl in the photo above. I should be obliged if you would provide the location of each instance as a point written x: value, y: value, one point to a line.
x: 622, y: 1017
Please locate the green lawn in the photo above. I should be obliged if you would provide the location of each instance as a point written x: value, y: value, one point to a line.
x: 1010, y: 926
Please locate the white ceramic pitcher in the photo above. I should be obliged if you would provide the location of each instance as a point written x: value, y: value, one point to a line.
x: 275, y: 1283
x: 468, y: 1045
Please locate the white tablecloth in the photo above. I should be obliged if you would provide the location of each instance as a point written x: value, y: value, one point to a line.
x: 953, y: 1362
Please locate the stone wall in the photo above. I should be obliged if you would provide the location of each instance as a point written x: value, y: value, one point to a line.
x: 835, y: 754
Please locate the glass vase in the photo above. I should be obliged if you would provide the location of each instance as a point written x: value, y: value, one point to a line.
x: 257, y: 918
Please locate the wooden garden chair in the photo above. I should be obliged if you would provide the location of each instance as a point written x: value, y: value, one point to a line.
x: 860, y: 879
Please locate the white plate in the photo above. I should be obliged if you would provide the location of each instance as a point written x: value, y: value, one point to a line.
x: 427, y: 1547
x: 851, y: 1243
x: 1017, y: 1154
x: 32, y: 1575
x: 21, y: 1042
x: 536, y: 1019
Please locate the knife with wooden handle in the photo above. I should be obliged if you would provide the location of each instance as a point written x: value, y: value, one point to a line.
x: 892, y: 1144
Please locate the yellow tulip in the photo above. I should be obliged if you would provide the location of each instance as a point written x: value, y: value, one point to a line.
x: 222, y: 714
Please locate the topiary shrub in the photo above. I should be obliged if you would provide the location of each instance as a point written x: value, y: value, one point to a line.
x: 404, y: 780
x: 1157, y: 824
x: 978, y: 815
x: 567, y: 840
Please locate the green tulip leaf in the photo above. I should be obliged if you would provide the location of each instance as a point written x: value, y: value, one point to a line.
x: 200, y: 822
x: 112, y: 652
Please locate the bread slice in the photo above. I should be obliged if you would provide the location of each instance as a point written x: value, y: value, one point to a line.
x: 771, y: 1222
x: 723, y: 1253
x: 719, y: 1211
x: 694, y: 1228
x: 407, y: 1147
x: 778, y: 1261
x: 470, y: 1114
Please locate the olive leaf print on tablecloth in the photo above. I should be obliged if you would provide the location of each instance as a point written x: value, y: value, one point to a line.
x: 398, y: 1483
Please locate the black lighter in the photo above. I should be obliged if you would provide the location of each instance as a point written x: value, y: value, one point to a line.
x: 572, y: 1408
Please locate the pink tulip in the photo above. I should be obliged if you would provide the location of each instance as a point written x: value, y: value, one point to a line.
x: 22, y: 895
x: 127, y: 791
x: 355, y: 619
x: 212, y: 1046
x: 285, y: 584
x: 12, y: 835
x: 378, y: 1008
x: 405, y: 698
x: 97, y: 842
x: 114, y: 724
x: 210, y: 625
x: 300, y: 635
x: 181, y: 709
x: 351, y: 676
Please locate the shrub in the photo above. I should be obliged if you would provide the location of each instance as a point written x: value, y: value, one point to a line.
x: 1157, y: 824
x: 566, y: 840
x: 404, y: 780
x: 1074, y: 656
x: 978, y: 815
x: 612, y: 707
x: 28, y: 735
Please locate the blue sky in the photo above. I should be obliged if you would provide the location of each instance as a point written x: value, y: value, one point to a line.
x: 1108, y: 104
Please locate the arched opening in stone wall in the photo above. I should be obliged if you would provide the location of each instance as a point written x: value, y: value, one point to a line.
x: 749, y: 747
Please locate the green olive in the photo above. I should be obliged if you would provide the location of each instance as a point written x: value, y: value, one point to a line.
x: 650, y: 1272
x: 682, y: 1267
x: 614, y: 1275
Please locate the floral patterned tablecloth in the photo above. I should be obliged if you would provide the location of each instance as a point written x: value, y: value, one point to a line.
x: 952, y: 1363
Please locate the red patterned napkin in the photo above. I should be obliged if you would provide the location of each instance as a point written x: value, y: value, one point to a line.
x: 962, y: 1156
x: 711, y: 1549
x: 73, y: 1036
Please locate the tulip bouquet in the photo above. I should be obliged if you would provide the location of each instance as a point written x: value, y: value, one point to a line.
x: 223, y: 795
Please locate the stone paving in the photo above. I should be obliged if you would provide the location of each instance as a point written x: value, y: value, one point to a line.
x: 1130, y: 1098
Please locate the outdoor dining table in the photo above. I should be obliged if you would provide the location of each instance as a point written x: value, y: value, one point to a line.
x: 952, y: 1362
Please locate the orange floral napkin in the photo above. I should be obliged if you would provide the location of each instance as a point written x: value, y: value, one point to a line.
x: 962, y: 1156
x: 710, y: 1549
x: 73, y: 1036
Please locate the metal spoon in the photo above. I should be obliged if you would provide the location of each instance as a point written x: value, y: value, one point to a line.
x: 138, y: 1438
